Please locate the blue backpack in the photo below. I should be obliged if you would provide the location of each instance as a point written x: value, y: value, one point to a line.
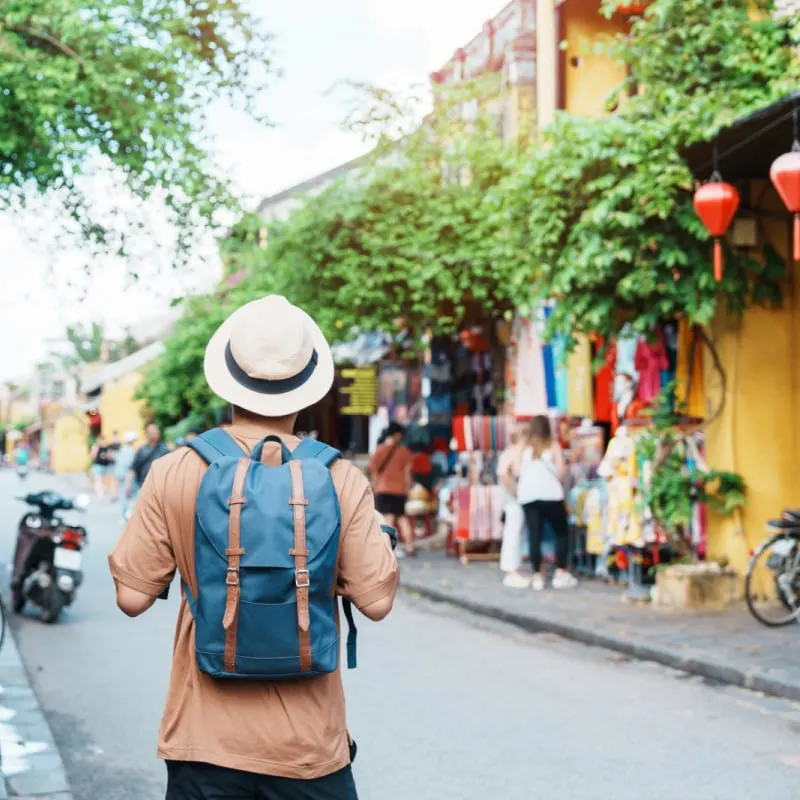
x: 266, y: 548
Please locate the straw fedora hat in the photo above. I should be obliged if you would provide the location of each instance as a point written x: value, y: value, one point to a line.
x: 270, y: 358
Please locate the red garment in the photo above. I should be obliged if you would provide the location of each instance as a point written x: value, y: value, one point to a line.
x: 459, y: 435
x: 650, y: 361
x: 634, y: 410
x: 604, y: 384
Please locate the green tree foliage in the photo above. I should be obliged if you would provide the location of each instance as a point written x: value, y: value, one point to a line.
x: 404, y: 243
x: 88, y: 344
x: 131, y: 83
x: 602, y: 207
x: 174, y: 386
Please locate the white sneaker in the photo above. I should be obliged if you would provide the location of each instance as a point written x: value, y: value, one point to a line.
x: 513, y: 580
x: 537, y: 584
x: 563, y: 580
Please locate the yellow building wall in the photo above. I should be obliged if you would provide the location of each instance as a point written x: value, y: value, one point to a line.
x: 119, y: 408
x: 69, y: 443
x: 758, y: 434
x: 589, y: 77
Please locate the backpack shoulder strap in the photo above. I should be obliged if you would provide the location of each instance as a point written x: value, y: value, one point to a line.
x: 318, y: 451
x: 215, y: 444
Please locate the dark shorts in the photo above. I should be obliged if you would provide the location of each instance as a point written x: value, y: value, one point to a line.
x: 189, y: 780
x: 391, y: 504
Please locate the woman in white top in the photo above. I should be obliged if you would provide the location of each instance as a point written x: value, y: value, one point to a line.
x: 508, y: 467
x: 540, y: 491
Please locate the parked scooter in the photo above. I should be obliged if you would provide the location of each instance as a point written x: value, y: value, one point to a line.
x: 47, y: 559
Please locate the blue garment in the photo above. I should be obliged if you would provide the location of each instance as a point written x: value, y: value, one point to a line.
x: 626, y: 354
x: 21, y: 456
x: 549, y: 369
x: 562, y: 375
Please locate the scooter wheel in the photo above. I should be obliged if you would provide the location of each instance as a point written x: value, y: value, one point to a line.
x: 17, y: 600
x: 51, y: 615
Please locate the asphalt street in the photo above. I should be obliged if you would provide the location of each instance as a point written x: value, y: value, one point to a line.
x: 443, y: 707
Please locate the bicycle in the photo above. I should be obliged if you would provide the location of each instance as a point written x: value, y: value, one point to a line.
x: 772, y: 581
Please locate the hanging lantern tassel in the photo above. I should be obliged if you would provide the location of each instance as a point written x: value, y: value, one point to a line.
x: 785, y: 175
x: 797, y: 237
x: 718, y: 261
x: 716, y: 204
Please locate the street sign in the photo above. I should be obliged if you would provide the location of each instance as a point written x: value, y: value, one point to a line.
x: 358, y: 391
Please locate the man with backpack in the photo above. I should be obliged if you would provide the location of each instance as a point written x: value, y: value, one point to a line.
x: 266, y: 531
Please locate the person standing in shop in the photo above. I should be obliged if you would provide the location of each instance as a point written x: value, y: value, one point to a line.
x: 540, y: 492
x: 390, y: 469
x: 508, y: 471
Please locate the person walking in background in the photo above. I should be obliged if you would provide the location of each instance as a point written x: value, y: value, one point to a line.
x: 122, y: 466
x: 223, y: 737
x: 101, y: 458
x: 391, y: 471
x: 508, y: 471
x: 540, y: 491
x: 152, y: 449
x: 113, y: 451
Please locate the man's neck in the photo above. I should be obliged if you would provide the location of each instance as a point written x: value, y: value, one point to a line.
x: 280, y: 425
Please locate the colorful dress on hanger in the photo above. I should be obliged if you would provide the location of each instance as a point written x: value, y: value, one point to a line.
x: 604, y: 384
x: 689, y: 391
x: 650, y: 361
x: 620, y: 467
x: 626, y: 355
x: 530, y: 396
x: 579, y: 380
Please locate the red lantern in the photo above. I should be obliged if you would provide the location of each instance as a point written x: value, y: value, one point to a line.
x: 716, y: 204
x: 785, y: 174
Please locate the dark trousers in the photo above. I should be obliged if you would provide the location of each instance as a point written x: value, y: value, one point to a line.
x: 190, y: 780
x: 554, y: 512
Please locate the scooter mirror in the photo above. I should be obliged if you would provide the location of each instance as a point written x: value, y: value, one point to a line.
x: 81, y: 501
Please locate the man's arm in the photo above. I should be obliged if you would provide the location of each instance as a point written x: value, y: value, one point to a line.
x: 368, y: 570
x: 142, y: 563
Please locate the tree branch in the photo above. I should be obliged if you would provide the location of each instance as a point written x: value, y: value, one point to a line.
x: 27, y: 30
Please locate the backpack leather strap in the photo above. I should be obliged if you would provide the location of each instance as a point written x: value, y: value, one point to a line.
x: 234, y: 553
x: 298, y: 503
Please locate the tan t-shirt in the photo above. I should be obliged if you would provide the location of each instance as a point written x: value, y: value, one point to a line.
x: 292, y: 729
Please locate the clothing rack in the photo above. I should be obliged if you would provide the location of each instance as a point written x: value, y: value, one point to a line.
x: 478, y: 497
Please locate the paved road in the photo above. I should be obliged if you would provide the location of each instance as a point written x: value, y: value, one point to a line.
x: 444, y: 708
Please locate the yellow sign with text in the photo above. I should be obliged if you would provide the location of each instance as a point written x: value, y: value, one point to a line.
x: 358, y: 391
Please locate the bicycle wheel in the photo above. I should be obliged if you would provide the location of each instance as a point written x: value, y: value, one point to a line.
x: 772, y: 582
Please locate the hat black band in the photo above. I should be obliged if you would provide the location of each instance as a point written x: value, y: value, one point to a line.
x: 263, y: 386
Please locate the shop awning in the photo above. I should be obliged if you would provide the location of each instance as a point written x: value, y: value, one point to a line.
x: 748, y: 147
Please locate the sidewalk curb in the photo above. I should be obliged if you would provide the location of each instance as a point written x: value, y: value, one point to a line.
x: 706, y: 668
x: 31, y: 764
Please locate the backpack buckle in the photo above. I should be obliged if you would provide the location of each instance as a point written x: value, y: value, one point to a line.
x: 232, y: 578
x: 302, y: 580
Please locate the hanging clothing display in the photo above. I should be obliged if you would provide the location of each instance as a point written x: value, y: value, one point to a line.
x: 669, y: 333
x: 548, y: 359
x: 650, y: 360
x: 689, y: 390
x: 627, y: 342
x: 559, y: 345
x: 530, y: 396
x: 481, y: 434
x: 620, y: 467
x: 579, y: 380
x: 604, y: 383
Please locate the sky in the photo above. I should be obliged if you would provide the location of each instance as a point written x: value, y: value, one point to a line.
x: 318, y: 44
